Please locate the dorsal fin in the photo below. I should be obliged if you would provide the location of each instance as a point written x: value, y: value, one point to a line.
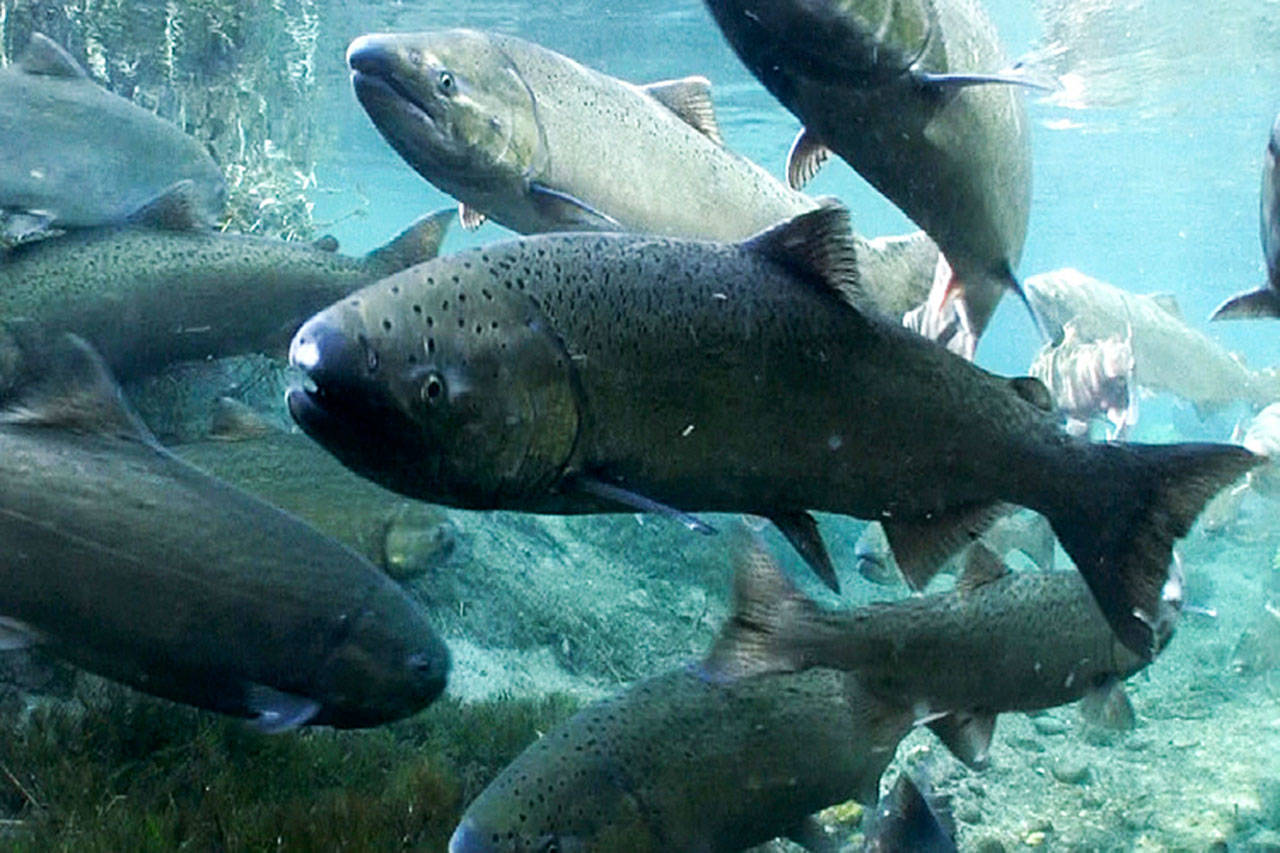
x: 67, y: 385
x: 1033, y: 391
x: 817, y: 246
x: 46, y: 57
x: 690, y: 99
x: 1168, y: 303
x: 981, y: 566
x: 325, y: 243
x: 415, y: 244
x: 175, y: 208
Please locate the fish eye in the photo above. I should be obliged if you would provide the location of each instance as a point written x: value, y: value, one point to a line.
x: 446, y: 83
x: 433, y: 389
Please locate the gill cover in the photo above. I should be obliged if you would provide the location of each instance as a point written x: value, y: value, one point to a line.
x: 452, y: 103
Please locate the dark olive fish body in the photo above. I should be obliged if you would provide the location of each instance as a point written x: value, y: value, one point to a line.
x: 859, y: 75
x: 675, y: 763
x: 717, y: 377
x: 136, y: 566
x: 148, y: 296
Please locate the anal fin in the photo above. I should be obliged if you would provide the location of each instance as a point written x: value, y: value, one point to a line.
x: 922, y: 546
x: 277, y: 711
x: 967, y: 735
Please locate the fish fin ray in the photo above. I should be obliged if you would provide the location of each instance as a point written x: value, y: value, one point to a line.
x: 805, y: 159
x: 1264, y: 302
x: 922, y: 546
x: 690, y: 99
x: 817, y: 246
x: 801, y: 530
x: 966, y: 735
x: 635, y: 500
x: 470, y: 218
x: 415, y: 244
x: 764, y: 603
x: 276, y: 711
x: 568, y: 210
x: 45, y: 57
x: 981, y: 567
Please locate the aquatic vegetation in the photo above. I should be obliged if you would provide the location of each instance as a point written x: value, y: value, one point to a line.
x: 236, y: 76
x: 116, y: 770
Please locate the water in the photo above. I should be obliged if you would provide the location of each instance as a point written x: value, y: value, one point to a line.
x: 1145, y: 175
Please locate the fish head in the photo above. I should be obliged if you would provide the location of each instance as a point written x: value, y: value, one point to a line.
x: 564, y: 794
x: 386, y: 664
x: 442, y: 384
x: 452, y: 103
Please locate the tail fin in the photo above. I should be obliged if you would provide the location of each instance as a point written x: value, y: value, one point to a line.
x: 415, y: 244
x: 1264, y: 302
x: 764, y: 603
x: 1119, y: 524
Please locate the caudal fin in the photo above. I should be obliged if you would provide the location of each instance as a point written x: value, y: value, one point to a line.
x: 1119, y: 515
x: 765, y: 602
x: 1264, y: 302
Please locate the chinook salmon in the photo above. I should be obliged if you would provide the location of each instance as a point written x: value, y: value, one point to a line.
x: 1000, y: 641
x: 125, y: 561
x: 611, y: 372
x: 537, y: 142
x: 1168, y: 354
x: 162, y: 290
x: 682, y: 762
x: 59, y: 169
x: 903, y: 91
x: 1264, y: 302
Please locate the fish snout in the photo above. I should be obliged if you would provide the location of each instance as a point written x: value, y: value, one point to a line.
x: 329, y: 355
x: 368, y: 54
x: 468, y: 838
x: 432, y: 668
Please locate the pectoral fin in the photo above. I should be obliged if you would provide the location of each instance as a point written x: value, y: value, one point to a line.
x: 175, y: 208
x: 635, y: 500
x: 16, y: 634
x: 470, y: 218
x: 278, y: 711
x: 1108, y: 706
x: 801, y: 531
x: 25, y: 226
x: 569, y: 211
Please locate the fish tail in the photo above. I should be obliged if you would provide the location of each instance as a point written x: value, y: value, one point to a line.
x: 753, y: 640
x: 1117, y: 515
x: 1264, y: 302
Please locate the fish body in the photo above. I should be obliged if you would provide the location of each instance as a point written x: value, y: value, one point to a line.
x: 539, y: 143
x: 903, y: 92
x: 61, y: 169
x: 1264, y: 302
x: 596, y: 373
x: 1043, y: 642
x: 676, y: 763
x: 136, y: 566
x: 147, y: 295
x: 1168, y: 354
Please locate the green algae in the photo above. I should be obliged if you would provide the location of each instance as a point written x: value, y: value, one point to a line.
x: 115, y: 770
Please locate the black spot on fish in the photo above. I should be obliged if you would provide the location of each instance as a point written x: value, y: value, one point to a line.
x: 417, y: 309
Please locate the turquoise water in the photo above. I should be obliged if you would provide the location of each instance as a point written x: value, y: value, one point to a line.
x: 1146, y: 169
